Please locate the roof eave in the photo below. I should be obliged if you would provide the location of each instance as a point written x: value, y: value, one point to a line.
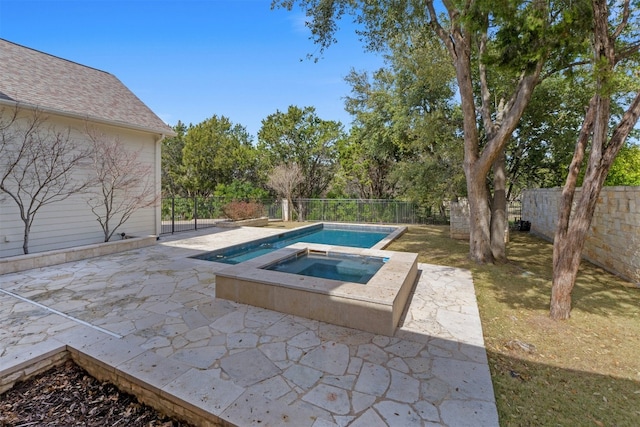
x: 161, y: 132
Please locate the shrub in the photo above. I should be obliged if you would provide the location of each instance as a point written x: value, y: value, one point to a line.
x: 243, y: 210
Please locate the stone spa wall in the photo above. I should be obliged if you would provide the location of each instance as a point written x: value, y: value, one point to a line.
x: 614, y: 237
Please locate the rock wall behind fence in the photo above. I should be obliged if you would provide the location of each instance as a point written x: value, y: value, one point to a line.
x: 459, y: 220
x: 459, y: 227
x: 614, y: 237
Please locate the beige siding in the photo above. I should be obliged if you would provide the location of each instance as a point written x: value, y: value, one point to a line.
x: 70, y: 222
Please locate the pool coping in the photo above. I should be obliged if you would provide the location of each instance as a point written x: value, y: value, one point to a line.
x: 372, y: 307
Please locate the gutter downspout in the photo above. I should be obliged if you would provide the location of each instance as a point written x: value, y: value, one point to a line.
x: 158, y: 181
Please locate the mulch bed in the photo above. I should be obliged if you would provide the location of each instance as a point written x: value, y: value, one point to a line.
x: 68, y: 396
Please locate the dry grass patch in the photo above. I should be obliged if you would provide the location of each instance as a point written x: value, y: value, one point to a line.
x: 584, y: 371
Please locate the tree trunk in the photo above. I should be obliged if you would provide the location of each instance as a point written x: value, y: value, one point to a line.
x: 479, y: 219
x: 477, y: 191
x: 565, y: 266
x: 567, y: 252
x: 25, y: 241
x: 573, y: 227
x: 499, y: 210
x: 477, y: 163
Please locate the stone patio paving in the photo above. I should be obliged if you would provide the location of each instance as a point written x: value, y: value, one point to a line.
x: 152, y: 314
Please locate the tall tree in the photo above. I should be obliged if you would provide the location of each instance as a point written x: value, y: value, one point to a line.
x: 430, y: 169
x: 38, y: 164
x: 172, y: 167
x: 406, y: 141
x: 369, y: 155
x: 616, y: 43
x: 299, y: 136
x: 215, y: 152
x: 517, y: 36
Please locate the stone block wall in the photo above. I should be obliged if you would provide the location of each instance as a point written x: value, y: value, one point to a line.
x: 459, y: 227
x: 459, y: 220
x: 614, y: 237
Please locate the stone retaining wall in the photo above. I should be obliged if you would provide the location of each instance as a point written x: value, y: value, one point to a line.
x: 29, y: 368
x: 253, y: 222
x: 44, y: 259
x: 162, y: 402
x: 613, y: 241
x: 459, y: 227
x: 459, y: 220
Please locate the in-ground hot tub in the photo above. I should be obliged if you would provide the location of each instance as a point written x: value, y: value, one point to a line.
x: 374, y: 306
x: 331, y: 265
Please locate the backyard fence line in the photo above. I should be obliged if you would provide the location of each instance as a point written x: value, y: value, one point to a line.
x: 194, y: 213
x: 373, y: 211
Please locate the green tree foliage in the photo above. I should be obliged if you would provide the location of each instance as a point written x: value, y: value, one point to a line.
x: 372, y: 150
x: 216, y: 152
x: 406, y: 139
x: 299, y: 136
x: 240, y: 190
x: 430, y: 170
x: 539, y: 154
x: 625, y: 169
x: 172, y: 168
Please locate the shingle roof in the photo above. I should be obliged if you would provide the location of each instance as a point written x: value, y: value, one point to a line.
x: 34, y: 78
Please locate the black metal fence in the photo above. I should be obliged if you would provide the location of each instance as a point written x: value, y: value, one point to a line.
x: 194, y: 213
x: 369, y: 211
x: 185, y: 214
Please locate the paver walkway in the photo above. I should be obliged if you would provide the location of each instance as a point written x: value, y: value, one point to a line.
x: 152, y: 307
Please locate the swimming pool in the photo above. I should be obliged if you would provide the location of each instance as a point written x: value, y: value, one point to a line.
x: 357, y: 236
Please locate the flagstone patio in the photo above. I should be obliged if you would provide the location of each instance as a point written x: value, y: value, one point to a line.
x: 148, y: 318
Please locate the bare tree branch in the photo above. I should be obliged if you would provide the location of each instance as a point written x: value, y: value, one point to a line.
x: 284, y: 179
x: 37, y: 163
x: 121, y: 183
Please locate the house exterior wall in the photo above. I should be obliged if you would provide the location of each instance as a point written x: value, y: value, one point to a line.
x: 70, y: 222
x: 613, y: 241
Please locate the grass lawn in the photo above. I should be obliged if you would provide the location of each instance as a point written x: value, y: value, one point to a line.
x: 580, y: 372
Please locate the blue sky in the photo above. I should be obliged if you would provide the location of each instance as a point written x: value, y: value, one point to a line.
x: 191, y: 59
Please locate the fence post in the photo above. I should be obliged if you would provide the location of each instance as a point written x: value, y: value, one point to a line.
x: 173, y: 214
x: 397, y: 216
x: 195, y: 212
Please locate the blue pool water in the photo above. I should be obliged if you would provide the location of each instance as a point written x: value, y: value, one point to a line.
x: 330, y: 234
x: 334, y: 266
